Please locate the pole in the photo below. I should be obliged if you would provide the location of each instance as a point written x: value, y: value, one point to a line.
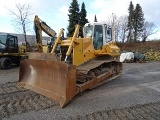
x: 113, y: 30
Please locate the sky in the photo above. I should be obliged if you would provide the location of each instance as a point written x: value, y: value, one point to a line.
x: 55, y: 12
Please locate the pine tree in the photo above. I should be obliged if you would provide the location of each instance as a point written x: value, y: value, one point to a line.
x: 95, y: 19
x: 130, y: 22
x: 73, y: 17
x: 83, y: 19
x: 138, y: 22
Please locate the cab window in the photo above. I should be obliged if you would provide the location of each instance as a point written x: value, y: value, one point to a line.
x: 12, y: 41
x: 3, y: 39
x: 98, y: 37
x: 108, y: 33
x: 88, y: 31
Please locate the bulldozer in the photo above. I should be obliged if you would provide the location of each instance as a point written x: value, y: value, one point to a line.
x: 80, y: 64
x: 10, y: 51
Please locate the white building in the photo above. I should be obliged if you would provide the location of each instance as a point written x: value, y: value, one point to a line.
x: 30, y: 38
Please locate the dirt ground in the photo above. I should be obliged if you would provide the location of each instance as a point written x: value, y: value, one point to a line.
x: 134, y: 96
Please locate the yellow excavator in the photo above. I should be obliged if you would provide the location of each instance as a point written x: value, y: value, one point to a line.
x: 81, y: 63
x: 10, y: 51
x: 39, y: 27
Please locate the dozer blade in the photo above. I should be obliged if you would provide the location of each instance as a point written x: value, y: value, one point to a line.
x: 53, y: 79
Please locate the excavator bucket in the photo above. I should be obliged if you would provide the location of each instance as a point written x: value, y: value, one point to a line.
x: 44, y: 75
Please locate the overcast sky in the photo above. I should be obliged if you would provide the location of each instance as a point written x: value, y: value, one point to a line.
x: 54, y: 12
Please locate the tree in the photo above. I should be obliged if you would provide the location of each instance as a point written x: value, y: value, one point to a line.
x: 73, y: 17
x: 138, y: 22
x: 83, y: 19
x: 21, y: 19
x: 123, y: 27
x: 149, y: 28
x: 130, y: 22
x: 120, y: 26
x: 114, y: 22
x: 95, y: 19
x: 117, y: 26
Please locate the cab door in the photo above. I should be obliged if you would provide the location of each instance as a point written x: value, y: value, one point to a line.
x: 98, y: 37
x: 12, y: 43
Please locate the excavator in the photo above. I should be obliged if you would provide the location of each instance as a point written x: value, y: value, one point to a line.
x: 40, y: 26
x: 81, y: 64
x: 10, y: 51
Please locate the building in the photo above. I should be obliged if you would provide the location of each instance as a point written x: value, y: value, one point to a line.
x: 31, y: 39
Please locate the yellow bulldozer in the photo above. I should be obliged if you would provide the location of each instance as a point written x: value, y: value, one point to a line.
x: 81, y: 63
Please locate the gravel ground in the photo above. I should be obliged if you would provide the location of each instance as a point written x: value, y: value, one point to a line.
x: 10, y: 75
x: 134, y: 95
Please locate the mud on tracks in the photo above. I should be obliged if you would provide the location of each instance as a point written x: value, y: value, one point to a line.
x: 15, y: 100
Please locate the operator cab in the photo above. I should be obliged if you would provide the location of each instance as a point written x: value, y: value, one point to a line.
x: 8, y: 43
x: 101, y: 34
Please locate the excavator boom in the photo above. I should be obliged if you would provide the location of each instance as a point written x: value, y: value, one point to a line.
x: 39, y: 27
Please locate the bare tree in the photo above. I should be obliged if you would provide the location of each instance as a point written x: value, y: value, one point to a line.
x: 120, y: 26
x: 123, y: 27
x: 148, y: 29
x: 114, y: 20
x: 21, y: 20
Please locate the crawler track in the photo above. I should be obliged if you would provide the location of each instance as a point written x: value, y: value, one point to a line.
x: 15, y: 100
